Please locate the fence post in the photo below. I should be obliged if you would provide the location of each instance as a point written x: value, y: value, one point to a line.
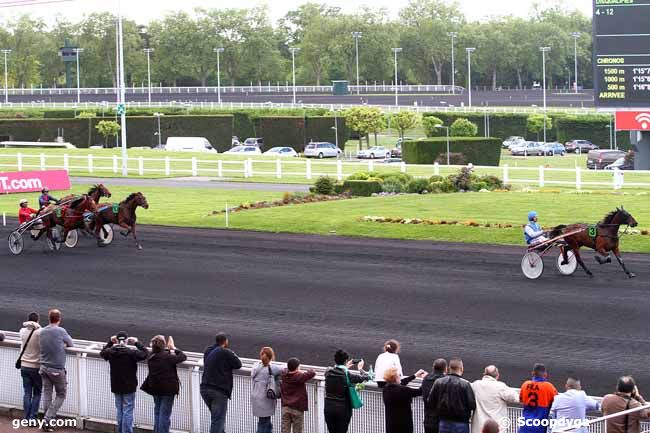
x: 19, y: 161
x: 250, y: 167
x: 506, y: 178
x: 82, y: 385
x: 402, y: 167
x: 141, y: 166
x: 220, y: 168
x: 578, y: 179
x: 90, y: 163
x: 168, y: 169
x: 195, y: 171
x: 339, y: 169
x: 278, y: 168
x: 541, y: 176
x: 320, y: 404
x: 308, y: 168
x: 371, y: 165
x: 114, y: 163
x: 195, y: 400
x: 42, y: 160
x: 618, y: 178
x: 436, y: 169
x: 66, y: 161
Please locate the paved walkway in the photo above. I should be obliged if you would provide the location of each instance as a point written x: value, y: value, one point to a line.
x: 192, y: 182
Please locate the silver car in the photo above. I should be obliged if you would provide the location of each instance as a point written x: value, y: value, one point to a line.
x: 322, y: 150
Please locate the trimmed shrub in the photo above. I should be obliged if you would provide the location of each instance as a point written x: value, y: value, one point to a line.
x: 362, y: 188
x: 502, y: 125
x: 593, y: 128
x: 324, y: 186
x: 418, y: 186
x: 393, y: 185
x: 429, y: 124
x: 463, y: 128
x: 455, y: 158
x: 477, y: 150
x: 463, y: 180
x: 441, y: 187
x: 362, y: 175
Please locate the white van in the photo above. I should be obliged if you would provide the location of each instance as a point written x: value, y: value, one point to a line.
x: 189, y: 144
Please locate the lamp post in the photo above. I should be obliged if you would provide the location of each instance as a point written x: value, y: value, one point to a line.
x: 395, y: 52
x: 76, y: 52
x: 453, y: 36
x: 544, y: 50
x: 575, y: 35
x: 148, y: 52
x: 6, y: 52
x: 218, y: 51
x: 293, y: 70
x: 357, y: 36
x: 122, y: 90
x: 158, y: 115
x: 469, y: 50
x: 447, y: 130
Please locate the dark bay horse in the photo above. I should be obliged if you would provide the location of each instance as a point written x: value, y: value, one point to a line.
x: 96, y: 192
x: 69, y: 216
x: 601, y: 237
x: 122, y: 214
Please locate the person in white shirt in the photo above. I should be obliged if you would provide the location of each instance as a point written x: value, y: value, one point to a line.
x: 492, y: 398
x: 571, y: 407
x: 388, y: 359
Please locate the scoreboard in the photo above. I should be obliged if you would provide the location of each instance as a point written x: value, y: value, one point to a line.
x: 621, y: 39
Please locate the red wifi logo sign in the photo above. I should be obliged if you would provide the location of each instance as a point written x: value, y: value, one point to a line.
x: 633, y: 121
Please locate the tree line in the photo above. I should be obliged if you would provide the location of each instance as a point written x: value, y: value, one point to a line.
x: 256, y: 50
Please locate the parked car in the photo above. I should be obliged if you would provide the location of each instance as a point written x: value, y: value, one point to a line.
x: 622, y: 163
x: 189, y: 144
x: 527, y: 148
x: 508, y: 142
x: 600, y: 158
x: 397, y: 151
x: 244, y: 150
x: 259, y: 142
x: 281, y: 151
x: 374, y: 152
x: 235, y: 141
x: 552, y: 149
x: 322, y: 150
x: 579, y: 146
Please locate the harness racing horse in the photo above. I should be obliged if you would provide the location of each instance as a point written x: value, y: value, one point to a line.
x: 122, y: 214
x: 96, y: 192
x: 69, y: 216
x: 602, y: 237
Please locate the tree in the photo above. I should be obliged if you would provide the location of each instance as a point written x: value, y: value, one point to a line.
x: 463, y: 128
x: 429, y: 124
x: 364, y: 120
x: 108, y: 128
x: 402, y: 121
x: 535, y: 123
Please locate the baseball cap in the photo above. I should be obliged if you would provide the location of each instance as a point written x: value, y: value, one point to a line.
x: 122, y: 336
x: 23, y: 201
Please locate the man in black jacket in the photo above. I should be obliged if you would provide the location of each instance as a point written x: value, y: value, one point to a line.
x: 216, y: 386
x: 431, y: 419
x: 453, y: 400
x: 124, y: 380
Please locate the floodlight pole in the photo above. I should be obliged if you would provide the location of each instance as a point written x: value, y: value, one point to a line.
x: 395, y: 52
x: 453, y: 36
x: 357, y: 36
x: 6, y: 52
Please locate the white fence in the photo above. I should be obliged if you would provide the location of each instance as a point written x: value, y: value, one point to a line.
x: 293, y: 170
x: 89, y: 396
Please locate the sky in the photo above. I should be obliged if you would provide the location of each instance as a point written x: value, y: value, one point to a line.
x: 144, y: 10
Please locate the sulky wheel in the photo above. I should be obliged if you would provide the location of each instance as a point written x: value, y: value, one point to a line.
x: 532, y: 265
x: 108, y: 239
x: 570, y: 267
x: 72, y: 239
x: 16, y: 243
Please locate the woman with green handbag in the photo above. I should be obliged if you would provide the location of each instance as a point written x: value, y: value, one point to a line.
x: 341, y: 396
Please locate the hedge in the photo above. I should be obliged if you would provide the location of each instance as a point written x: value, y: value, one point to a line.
x: 484, y: 151
x: 592, y: 128
x: 362, y: 188
x: 501, y: 125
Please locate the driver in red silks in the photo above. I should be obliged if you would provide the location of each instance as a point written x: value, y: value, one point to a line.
x: 25, y: 213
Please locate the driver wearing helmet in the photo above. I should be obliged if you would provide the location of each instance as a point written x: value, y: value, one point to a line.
x: 533, y: 232
x: 45, y: 199
x: 25, y: 213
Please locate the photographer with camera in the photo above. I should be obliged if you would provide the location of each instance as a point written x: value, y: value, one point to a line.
x: 626, y: 397
x: 123, y: 361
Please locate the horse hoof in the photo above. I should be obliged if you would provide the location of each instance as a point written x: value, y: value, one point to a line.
x: 564, y: 263
x: 631, y: 275
x: 590, y: 275
x: 125, y: 234
x: 139, y: 247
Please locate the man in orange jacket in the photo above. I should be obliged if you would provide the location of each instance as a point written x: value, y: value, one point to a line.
x: 536, y: 395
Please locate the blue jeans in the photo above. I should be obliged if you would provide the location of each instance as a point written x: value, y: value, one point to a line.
x: 453, y: 427
x: 32, y: 387
x: 124, y: 405
x: 217, y: 403
x: 264, y: 425
x: 162, y: 413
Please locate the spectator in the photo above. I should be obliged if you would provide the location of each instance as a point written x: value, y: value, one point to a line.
x: 453, y: 399
x: 397, y: 398
x: 162, y: 382
x: 627, y: 396
x: 490, y: 426
x: 388, y: 359
x: 338, y: 405
x: 2, y: 337
x: 216, y: 386
x: 123, y: 362
x: 431, y: 420
x: 536, y: 396
x: 492, y: 398
x: 53, y: 340
x: 30, y: 348
x: 294, y: 396
x: 261, y: 376
x: 571, y: 406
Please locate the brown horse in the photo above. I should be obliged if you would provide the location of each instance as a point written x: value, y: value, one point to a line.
x: 69, y: 216
x: 96, y: 192
x: 122, y: 215
x: 602, y: 237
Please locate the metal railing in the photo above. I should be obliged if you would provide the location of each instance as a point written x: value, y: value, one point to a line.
x: 89, y: 395
x: 306, y: 169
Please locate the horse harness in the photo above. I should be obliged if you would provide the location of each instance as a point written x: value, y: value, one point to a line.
x: 594, y: 232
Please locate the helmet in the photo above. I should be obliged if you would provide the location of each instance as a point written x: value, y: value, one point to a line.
x: 46, y: 189
x: 532, y: 215
x: 23, y: 201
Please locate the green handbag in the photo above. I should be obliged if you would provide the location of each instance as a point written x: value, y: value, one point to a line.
x: 355, y: 398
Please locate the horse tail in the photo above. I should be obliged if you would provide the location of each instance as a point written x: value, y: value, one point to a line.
x: 557, y: 231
